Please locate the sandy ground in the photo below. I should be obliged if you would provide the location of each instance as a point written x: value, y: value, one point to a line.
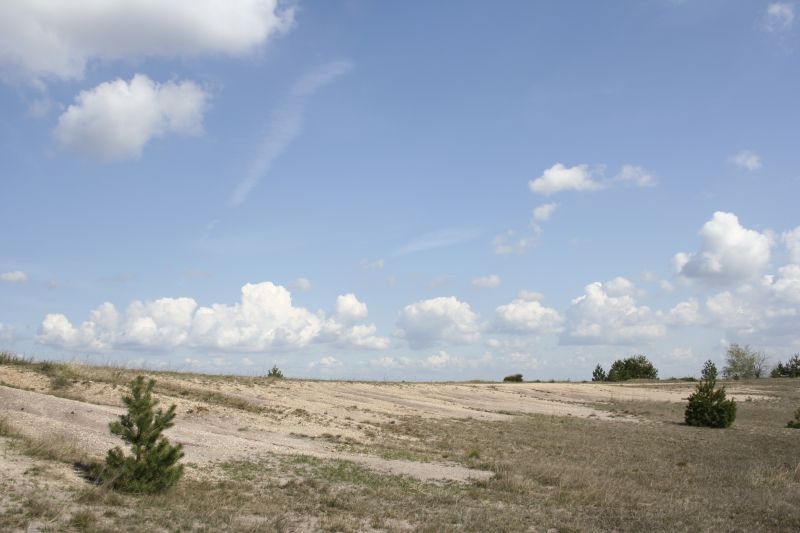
x: 25, y: 477
x: 289, y: 416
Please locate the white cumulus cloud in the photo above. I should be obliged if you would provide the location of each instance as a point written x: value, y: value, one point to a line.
x: 163, y: 323
x: 686, y: 313
x: 620, y: 286
x: 786, y: 285
x: 116, y: 119
x: 44, y: 39
x: 731, y: 311
x: 428, y: 322
x: 730, y: 253
x: 528, y: 316
x: 349, y: 308
x: 561, y: 178
x: 160, y: 324
x: 264, y: 319
x: 17, y: 276
x: 605, y: 316
x: 581, y: 178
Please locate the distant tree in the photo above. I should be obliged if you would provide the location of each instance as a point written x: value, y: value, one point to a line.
x: 707, y: 405
x: 635, y: 367
x: 599, y: 374
x: 789, y: 370
x: 153, y: 466
x: 513, y: 378
x: 744, y: 363
x: 275, y: 372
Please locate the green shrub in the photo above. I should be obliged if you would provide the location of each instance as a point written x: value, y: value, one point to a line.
x: 513, y: 378
x: 708, y: 406
x: 635, y: 367
x: 153, y: 466
x: 790, y: 370
x: 796, y: 422
x: 599, y: 374
x: 275, y: 372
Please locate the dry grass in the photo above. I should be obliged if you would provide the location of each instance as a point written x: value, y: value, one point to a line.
x: 60, y: 448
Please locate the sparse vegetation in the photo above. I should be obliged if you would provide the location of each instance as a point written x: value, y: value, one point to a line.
x: 9, y: 358
x: 789, y: 370
x: 153, y: 466
x: 744, y: 363
x: 513, y: 378
x: 635, y: 367
x: 84, y: 520
x: 707, y: 405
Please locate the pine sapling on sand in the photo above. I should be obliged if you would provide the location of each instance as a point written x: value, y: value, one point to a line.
x: 598, y: 374
x: 152, y: 467
x: 707, y: 405
x: 275, y: 372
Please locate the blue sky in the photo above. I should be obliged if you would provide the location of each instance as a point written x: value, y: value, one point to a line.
x: 433, y: 190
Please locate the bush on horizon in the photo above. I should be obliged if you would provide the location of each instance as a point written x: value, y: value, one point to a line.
x: 634, y: 367
x: 789, y: 370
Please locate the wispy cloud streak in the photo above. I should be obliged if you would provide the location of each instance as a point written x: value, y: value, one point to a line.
x: 287, y: 123
x: 438, y: 239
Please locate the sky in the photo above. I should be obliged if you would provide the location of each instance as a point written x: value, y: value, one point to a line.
x: 399, y: 190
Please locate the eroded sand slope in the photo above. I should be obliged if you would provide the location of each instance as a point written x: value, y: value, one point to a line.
x: 245, y: 418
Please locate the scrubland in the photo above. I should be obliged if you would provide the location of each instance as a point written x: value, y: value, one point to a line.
x: 302, y: 455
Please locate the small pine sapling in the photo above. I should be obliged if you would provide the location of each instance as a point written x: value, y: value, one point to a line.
x: 275, y: 372
x: 598, y: 374
x: 153, y: 465
x: 707, y: 405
